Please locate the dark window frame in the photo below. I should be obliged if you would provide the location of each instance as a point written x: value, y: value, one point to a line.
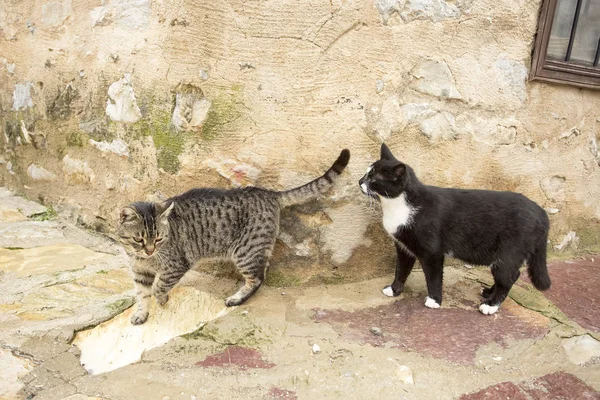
x: 557, y: 71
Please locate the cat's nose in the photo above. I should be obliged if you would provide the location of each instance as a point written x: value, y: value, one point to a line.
x: 150, y: 250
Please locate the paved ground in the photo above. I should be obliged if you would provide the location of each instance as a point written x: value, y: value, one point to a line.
x: 338, y: 341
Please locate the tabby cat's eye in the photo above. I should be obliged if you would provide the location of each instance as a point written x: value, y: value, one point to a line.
x: 158, y: 239
x: 138, y: 240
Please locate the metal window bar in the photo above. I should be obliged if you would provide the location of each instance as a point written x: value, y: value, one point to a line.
x: 597, y: 54
x: 573, y: 30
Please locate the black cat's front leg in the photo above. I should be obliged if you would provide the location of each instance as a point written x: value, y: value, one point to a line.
x: 166, y: 281
x: 404, y: 265
x: 433, y: 268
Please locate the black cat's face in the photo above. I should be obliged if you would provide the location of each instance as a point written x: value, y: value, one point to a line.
x: 385, y: 177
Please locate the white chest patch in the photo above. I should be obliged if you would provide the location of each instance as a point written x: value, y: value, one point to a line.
x: 397, y: 213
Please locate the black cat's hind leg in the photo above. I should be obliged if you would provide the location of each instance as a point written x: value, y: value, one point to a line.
x: 404, y: 265
x: 486, y: 292
x: 433, y: 268
x: 505, y: 274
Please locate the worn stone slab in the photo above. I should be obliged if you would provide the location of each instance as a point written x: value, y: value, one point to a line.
x: 581, y: 349
x: 445, y: 333
x: 71, y: 298
x: 575, y: 290
x: 30, y: 234
x: 47, y: 259
x: 14, y: 208
x: 116, y: 343
x: 555, y: 386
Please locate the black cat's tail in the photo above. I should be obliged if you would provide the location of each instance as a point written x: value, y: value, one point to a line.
x: 538, y: 269
x: 316, y: 187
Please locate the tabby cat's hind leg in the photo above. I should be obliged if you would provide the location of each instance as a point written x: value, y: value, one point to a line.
x: 253, y: 271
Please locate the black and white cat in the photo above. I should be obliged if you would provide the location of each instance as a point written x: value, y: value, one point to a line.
x: 501, y: 229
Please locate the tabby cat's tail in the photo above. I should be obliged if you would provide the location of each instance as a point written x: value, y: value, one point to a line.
x: 316, y: 187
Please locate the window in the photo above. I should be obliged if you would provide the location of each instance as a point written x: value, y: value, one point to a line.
x: 567, y: 46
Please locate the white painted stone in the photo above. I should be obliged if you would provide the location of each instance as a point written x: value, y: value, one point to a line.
x: 404, y: 374
x: 581, y: 349
x: 239, y: 174
x: 552, y: 211
x: 22, y: 96
x: 40, y: 174
x: 316, y: 349
x: 434, y: 78
x: 190, y: 110
x: 441, y: 126
x: 512, y: 74
x: 116, y: 343
x: 570, y: 240
x: 121, y: 105
x: 77, y: 171
x: 12, y: 369
x: 554, y: 188
x: 117, y: 146
x: 341, y: 241
x: 55, y: 13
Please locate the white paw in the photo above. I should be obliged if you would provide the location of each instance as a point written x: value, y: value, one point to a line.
x: 388, y: 291
x: 431, y: 303
x: 488, y: 310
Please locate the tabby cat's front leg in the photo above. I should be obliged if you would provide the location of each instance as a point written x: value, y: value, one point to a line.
x: 165, y: 282
x: 143, y: 283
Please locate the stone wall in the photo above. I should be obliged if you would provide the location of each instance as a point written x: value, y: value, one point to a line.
x: 107, y: 101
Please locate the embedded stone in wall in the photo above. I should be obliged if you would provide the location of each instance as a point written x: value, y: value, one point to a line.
x: 554, y: 188
x: 130, y: 14
x: 117, y: 146
x: 121, y: 105
x: 413, y: 112
x: 22, y: 96
x: 439, y: 127
x: 434, y: 78
x: 594, y: 149
x: 55, y: 13
x: 237, y: 173
x: 191, y: 108
x: 77, y: 171
x: 40, y: 174
x: 513, y: 74
x: 434, y: 10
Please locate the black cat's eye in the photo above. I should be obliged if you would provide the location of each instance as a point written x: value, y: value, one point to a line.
x: 138, y: 240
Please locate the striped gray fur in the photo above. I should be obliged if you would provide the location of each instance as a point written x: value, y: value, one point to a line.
x: 165, y: 240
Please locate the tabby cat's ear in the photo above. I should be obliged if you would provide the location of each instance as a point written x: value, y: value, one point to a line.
x: 163, y: 210
x: 386, y: 154
x: 128, y: 214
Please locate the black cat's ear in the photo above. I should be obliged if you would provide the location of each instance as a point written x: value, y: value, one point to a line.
x: 399, y: 170
x: 128, y: 214
x: 386, y: 154
x: 163, y: 209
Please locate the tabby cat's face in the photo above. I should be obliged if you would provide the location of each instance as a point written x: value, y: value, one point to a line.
x: 385, y: 177
x: 144, y: 228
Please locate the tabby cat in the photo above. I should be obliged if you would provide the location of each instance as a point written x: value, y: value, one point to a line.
x: 501, y: 229
x: 165, y: 239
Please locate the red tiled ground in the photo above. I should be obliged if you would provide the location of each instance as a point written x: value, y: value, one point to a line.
x: 236, y: 356
x: 555, y: 386
x: 576, y: 290
x: 449, y: 333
